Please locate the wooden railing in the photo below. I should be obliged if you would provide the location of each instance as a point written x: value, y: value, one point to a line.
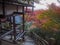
x: 20, y: 35
x: 2, y: 36
x: 38, y: 40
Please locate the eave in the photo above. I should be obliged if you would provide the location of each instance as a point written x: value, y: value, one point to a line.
x: 16, y: 3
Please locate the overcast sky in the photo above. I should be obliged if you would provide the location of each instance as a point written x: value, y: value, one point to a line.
x: 43, y: 4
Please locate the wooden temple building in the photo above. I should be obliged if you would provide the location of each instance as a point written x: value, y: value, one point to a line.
x: 9, y: 9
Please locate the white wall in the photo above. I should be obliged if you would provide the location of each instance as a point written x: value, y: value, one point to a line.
x: 9, y: 9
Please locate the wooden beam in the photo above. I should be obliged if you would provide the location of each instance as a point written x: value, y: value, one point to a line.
x: 17, y: 3
x: 18, y: 12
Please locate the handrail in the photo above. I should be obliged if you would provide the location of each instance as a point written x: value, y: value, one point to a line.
x: 40, y: 39
x: 20, y: 35
x: 6, y: 34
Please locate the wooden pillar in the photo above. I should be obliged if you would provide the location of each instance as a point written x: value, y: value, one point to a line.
x: 0, y: 42
x: 3, y: 7
x: 10, y: 23
x: 10, y: 26
x: 23, y: 19
x: 26, y: 8
x: 33, y: 7
x: 14, y: 30
x: 0, y: 25
x: 0, y: 30
x: 17, y: 8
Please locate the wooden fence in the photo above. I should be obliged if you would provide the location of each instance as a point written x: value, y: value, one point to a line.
x: 38, y: 40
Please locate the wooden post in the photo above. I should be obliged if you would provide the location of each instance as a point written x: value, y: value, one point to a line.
x: 23, y: 18
x: 17, y: 8
x: 0, y: 31
x: 0, y: 42
x: 10, y: 26
x: 3, y: 7
x: 33, y: 7
x: 14, y: 30
x: 23, y: 21
x: 0, y: 25
x: 52, y: 41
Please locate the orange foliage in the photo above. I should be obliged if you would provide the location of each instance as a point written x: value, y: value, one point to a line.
x: 38, y: 22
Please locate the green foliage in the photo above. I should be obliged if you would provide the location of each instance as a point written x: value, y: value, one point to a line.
x: 53, y: 18
x: 51, y: 27
x: 27, y: 25
x: 38, y: 31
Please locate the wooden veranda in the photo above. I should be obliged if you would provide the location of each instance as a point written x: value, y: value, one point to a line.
x: 8, y: 10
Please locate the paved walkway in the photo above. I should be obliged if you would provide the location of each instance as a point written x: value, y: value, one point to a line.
x: 28, y: 41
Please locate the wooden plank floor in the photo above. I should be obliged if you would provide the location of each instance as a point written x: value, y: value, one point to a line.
x: 6, y: 43
x: 28, y: 41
